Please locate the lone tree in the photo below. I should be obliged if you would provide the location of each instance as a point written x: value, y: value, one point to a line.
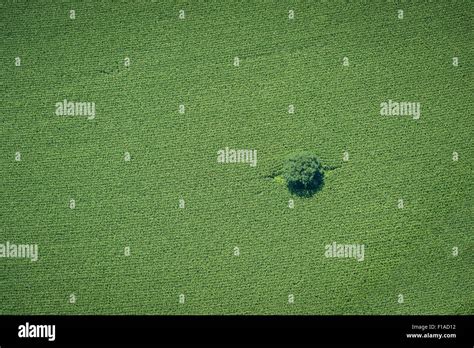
x: 303, y: 173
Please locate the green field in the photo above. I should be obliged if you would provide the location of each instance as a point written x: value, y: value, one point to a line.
x: 190, y: 251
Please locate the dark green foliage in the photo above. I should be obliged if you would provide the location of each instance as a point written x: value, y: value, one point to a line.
x: 303, y: 173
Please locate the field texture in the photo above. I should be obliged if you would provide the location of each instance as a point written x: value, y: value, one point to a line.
x: 419, y: 252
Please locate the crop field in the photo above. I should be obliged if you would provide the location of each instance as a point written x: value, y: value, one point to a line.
x: 126, y: 208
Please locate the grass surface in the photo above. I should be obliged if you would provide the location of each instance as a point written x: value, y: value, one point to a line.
x: 190, y: 251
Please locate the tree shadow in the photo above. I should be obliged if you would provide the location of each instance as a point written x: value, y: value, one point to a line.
x: 300, y: 190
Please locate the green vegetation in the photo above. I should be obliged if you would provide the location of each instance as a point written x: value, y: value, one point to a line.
x: 303, y: 173
x: 190, y: 251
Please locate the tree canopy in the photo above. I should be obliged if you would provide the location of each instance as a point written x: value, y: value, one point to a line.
x: 303, y: 172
